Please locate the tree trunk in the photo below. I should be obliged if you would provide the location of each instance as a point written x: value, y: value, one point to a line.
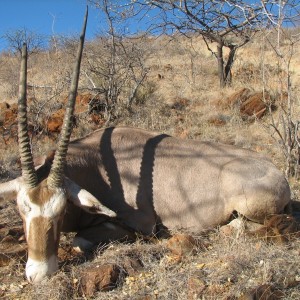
x: 220, y: 65
x: 229, y: 64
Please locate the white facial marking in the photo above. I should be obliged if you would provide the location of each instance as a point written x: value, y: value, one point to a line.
x: 52, y: 209
x: 36, y: 271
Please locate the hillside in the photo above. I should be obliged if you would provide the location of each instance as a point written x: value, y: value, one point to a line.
x: 180, y: 96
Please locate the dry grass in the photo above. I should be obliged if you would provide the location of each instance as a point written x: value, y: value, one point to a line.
x: 182, y: 101
x: 222, y: 267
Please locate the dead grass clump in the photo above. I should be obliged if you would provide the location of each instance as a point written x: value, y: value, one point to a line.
x: 247, y: 73
x: 254, y: 262
x: 59, y: 287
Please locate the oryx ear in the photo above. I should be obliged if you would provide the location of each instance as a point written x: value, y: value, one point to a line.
x: 44, y: 160
x: 9, y: 189
x: 82, y: 198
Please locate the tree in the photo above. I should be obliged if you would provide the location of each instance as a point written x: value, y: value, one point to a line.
x: 116, y: 66
x: 286, y: 129
x: 16, y: 38
x: 230, y: 24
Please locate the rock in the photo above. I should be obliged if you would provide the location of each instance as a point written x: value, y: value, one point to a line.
x: 279, y: 228
x: 251, y: 104
x: 8, y: 119
x: 99, y: 278
x: 196, y: 287
x: 132, y: 266
x: 256, y: 105
x: 17, y: 232
x: 181, y: 244
x: 236, y: 226
x: 55, y: 121
x: 3, y: 107
x: 68, y: 253
x: 236, y: 98
x: 97, y: 119
x: 227, y: 230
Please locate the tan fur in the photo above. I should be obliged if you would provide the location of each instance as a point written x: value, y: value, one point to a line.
x: 40, y: 194
x: 151, y: 179
x: 41, y: 233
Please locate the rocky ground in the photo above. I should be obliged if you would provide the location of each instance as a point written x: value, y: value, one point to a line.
x: 230, y: 262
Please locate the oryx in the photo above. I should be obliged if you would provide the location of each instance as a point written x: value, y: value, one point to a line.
x: 143, y: 180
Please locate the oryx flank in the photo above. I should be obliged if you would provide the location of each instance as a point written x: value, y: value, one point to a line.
x: 132, y: 180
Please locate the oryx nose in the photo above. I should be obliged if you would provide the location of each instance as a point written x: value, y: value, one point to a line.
x: 36, y: 271
x: 31, y: 278
x: 36, y: 277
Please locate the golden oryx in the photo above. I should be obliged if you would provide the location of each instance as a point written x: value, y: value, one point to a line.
x: 142, y: 179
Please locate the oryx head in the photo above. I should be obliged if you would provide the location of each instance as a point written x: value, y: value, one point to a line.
x: 42, y: 202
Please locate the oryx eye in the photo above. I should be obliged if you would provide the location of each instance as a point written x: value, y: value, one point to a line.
x: 24, y: 208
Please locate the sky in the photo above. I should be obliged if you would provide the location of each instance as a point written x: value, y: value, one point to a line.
x: 57, y: 17
x: 47, y: 17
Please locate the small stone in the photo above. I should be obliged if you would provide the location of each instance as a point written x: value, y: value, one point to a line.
x: 132, y: 265
x: 181, y: 244
x: 196, y: 287
x: 99, y: 278
x: 226, y: 230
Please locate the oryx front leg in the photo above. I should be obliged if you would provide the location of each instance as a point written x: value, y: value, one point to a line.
x: 105, y: 232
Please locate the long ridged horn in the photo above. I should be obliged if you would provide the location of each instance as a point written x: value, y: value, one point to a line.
x: 55, y: 178
x: 28, y: 171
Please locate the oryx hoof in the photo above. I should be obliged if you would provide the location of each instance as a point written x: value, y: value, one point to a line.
x: 81, y: 245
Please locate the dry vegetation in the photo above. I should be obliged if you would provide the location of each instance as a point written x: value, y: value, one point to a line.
x: 181, y: 97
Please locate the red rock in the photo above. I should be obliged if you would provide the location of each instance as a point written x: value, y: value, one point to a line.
x: 55, y: 121
x: 99, y: 278
x: 181, y: 244
x: 256, y: 105
x: 236, y: 98
x: 132, y: 265
x: 196, y: 287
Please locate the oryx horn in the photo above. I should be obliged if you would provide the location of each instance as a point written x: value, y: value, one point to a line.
x: 28, y: 171
x: 55, y: 178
